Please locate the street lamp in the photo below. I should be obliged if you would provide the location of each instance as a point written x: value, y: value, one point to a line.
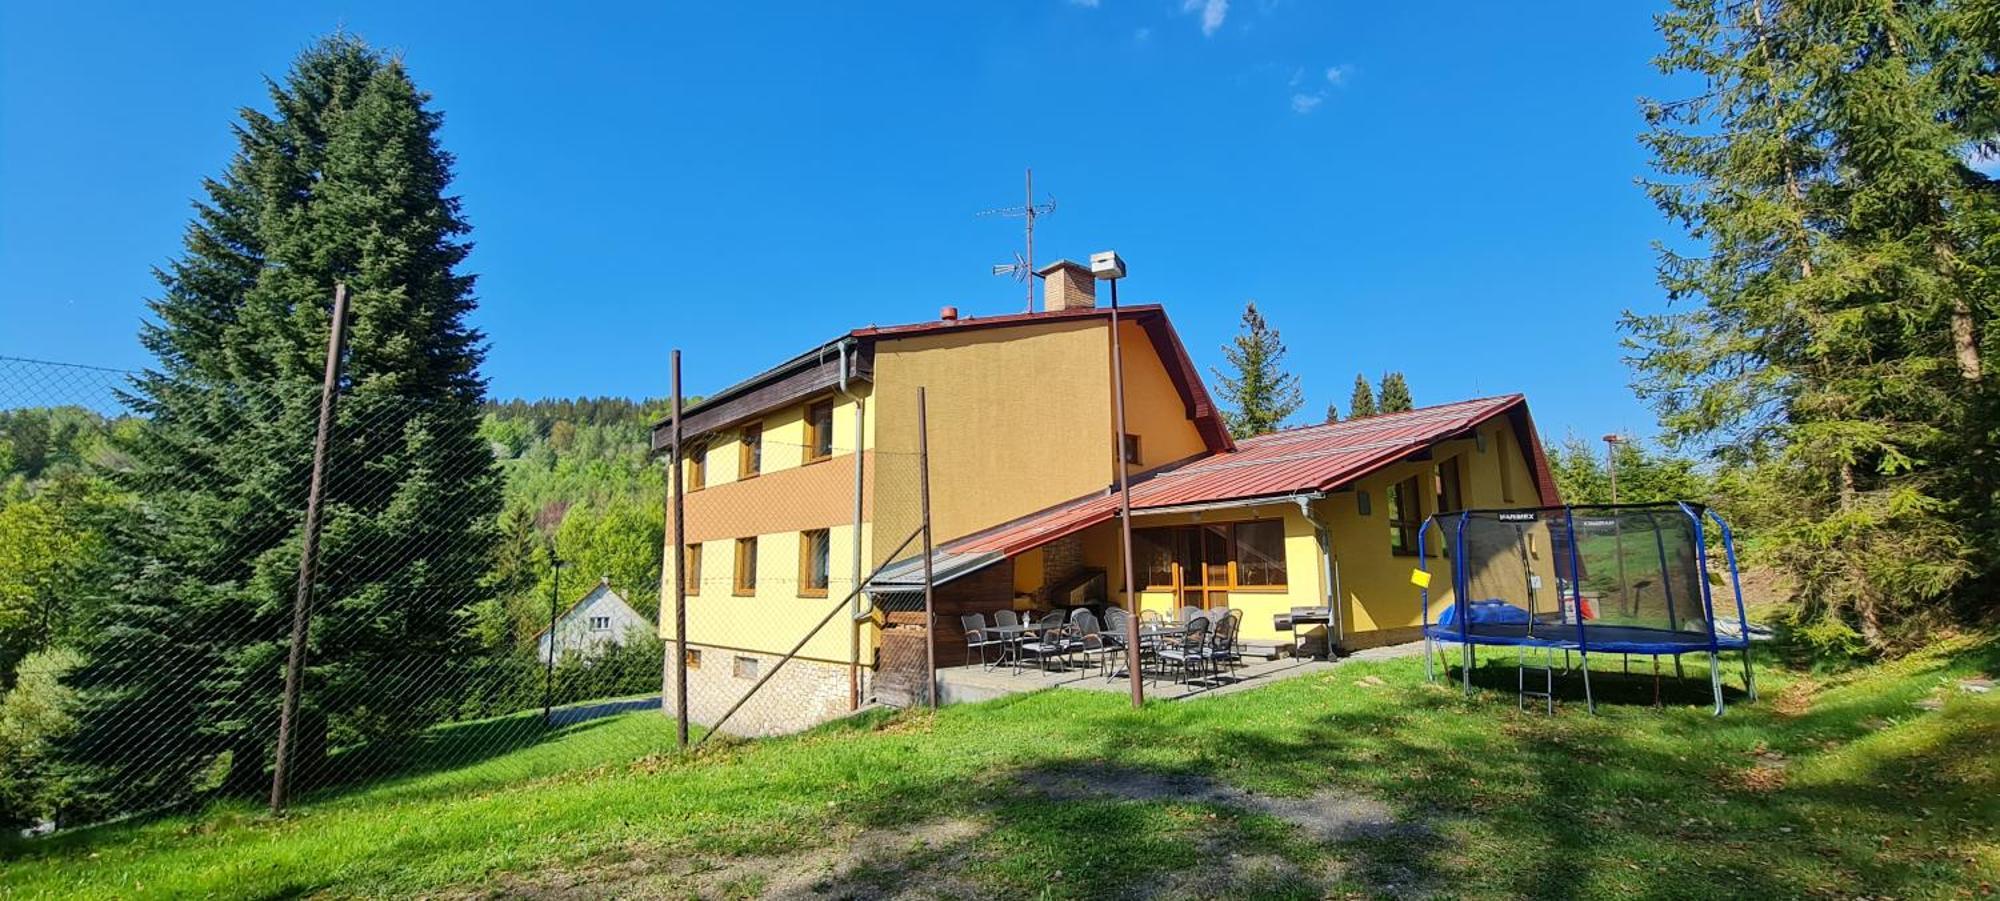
x: 1108, y: 267
x: 1611, y: 442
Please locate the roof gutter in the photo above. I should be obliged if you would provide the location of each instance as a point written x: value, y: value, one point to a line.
x: 1237, y: 504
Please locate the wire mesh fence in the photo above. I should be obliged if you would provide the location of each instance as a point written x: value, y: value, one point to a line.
x: 494, y: 592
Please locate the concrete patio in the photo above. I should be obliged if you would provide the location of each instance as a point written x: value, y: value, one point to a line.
x: 966, y: 684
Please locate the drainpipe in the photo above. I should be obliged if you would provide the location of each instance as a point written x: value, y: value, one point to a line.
x: 1329, y: 574
x: 854, y: 620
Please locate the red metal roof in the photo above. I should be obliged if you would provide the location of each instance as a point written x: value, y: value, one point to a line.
x: 1275, y: 466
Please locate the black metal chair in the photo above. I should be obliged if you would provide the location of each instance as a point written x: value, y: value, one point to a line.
x: 1187, y: 652
x: 978, y: 639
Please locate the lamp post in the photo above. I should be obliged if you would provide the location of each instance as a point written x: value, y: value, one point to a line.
x: 556, y: 565
x: 1611, y: 442
x: 1108, y: 267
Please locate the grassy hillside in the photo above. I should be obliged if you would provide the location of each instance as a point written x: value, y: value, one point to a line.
x: 1878, y: 782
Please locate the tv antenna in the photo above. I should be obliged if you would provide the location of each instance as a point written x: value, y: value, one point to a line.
x: 1024, y: 264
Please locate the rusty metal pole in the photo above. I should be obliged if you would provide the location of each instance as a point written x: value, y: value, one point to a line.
x: 295, y: 660
x: 1124, y: 505
x: 924, y: 504
x: 680, y: 573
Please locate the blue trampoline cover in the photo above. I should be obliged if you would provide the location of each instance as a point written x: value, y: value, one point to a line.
x: 1490, y: 612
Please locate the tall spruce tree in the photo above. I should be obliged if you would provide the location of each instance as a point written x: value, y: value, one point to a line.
x: 1258, y: 392
x: 1395, y: 396
x: 1332, y: 413
x: 1361, y: 404
x: 1830, y: 330
x: 343, y: 181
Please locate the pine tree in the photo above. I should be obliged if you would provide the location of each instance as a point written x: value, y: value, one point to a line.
x: 1361, y: 404
x: 1332, y: 413
x: 1829, y: 331
x: 1259, y: 393
x: 343, y: 181
x: 1395, y: 396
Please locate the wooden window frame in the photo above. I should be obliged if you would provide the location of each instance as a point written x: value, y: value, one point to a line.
x: 815, y: 435
x: 1235, y: 556
x: 1505, y: 461
x: 1169, y: 535
x: 692, y: 660
x: 1130, y: 449
x: 750, y: 451
x: 692, y: 561
x: 697, y: 471
x: 738, y: 668
x: 1450, y: 486
x: 745, y: 583
x: 1403, y: 521
x: 806, y: 540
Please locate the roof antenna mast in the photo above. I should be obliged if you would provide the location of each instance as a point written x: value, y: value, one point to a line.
x: 1024, y: 265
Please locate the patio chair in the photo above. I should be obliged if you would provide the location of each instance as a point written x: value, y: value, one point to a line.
x: 1223, y: 652
x: 1093, y: 647
x: 978, y: 639
x: 1185, y: 653
x: 1150, y: 618
x: 1052, y: 641
x: 1187, y: 615
x: 1218, y: 614
x: 1116, y: 624
x: 1005, y: 618
x: 1082, y: 623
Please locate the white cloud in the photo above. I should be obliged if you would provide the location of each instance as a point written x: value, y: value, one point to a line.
x: 1306, y: 103
x: 1143, y: 35
x: 1212, y: 13
x: 1338, y: 74
x: 1086, y: 4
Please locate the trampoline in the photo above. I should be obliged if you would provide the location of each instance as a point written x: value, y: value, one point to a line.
x: 1619, y: 579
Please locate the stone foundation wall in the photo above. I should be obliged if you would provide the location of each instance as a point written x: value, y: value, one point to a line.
x: 803, y: 694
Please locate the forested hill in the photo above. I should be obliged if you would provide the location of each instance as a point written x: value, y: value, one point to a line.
x: 578, y: 472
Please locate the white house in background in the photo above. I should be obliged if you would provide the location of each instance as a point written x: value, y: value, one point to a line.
x: 600, y: 619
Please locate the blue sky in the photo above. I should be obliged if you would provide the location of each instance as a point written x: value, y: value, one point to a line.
x: 1445, y: 191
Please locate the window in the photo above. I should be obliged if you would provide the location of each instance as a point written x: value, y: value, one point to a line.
x: 693, y: 659
x: 750, y: 454
x: 1405, y: 516
x: 746, y: 566
x: 1506, y: 464
x: 819, y: 431
x: 813, y: 552
x: 1260, y: 553
x: 1132, y: 449
x: 1153, y: 556
x: 1253, y: 551
x: 600, y: 624
x: 692, y: 560
x: 746, y: 667
x: 1448, y: 489
x: 1362, y: 505
x: 697, y: 470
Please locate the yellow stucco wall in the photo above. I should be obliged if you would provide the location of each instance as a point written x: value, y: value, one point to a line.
x: 1375, y: 582
x: 1154, y: 410
x: 777, y: 616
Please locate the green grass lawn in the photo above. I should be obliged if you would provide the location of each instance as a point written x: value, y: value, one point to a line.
x: 1839, y: 785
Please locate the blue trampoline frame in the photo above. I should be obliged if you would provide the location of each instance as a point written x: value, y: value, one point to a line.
x: 1608, y: 639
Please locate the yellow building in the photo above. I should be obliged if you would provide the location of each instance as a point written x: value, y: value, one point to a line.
x: 801, y: 505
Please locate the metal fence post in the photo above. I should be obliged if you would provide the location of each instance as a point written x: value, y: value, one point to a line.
x: 295, y: 660
x: 680, y: 572
x: 924, y: 502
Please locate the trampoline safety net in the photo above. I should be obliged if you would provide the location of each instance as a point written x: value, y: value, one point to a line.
x: 1630, y: 578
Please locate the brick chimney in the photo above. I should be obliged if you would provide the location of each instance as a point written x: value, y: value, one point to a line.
x: 1067, y: 285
